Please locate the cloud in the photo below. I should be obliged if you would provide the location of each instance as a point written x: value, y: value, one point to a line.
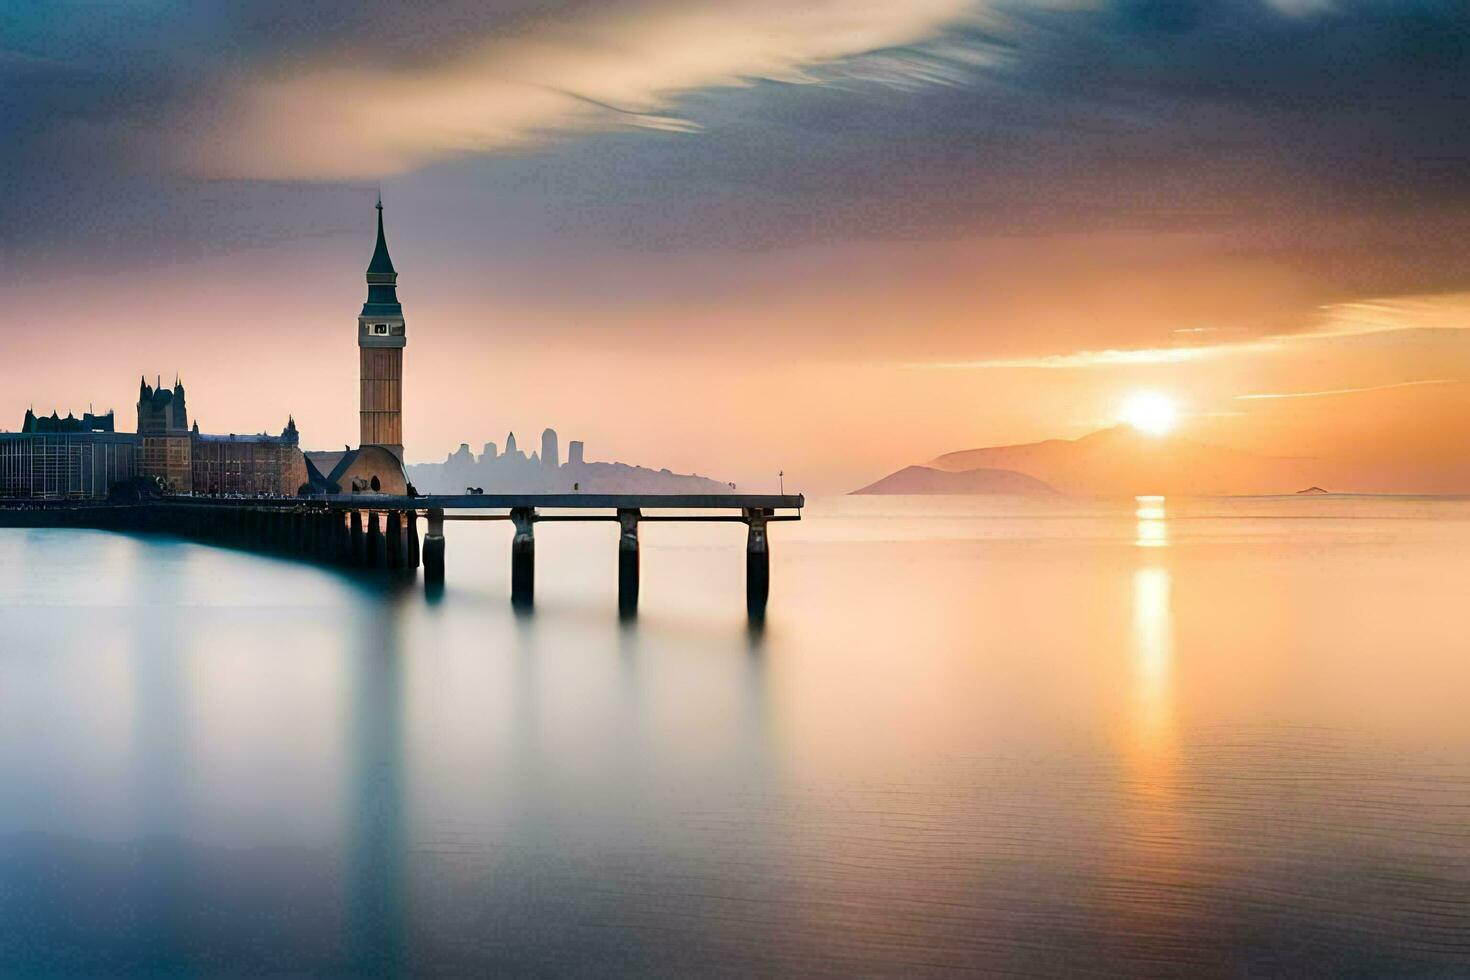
x: 1301, y: 8
x: 1083, y: 359
x: 1448, y: 311
x: 350, y: 115
x: 1347, y: 391
x: 1321, y: 157
x: 1362, y: 318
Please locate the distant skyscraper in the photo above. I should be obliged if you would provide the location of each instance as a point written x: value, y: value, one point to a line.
x: 510, y: 444
x: 574, y: 453
x: 489, y: 451
x: 550, y: 454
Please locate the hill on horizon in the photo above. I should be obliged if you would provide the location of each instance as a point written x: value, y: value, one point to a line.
x: 927, y: 480
x: 1122, y: 460
x: 1118, y: 461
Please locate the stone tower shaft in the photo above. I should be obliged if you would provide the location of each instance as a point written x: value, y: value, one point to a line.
x: 380, y: 339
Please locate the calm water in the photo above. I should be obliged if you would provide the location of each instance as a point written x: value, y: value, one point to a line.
x: 974, y: 736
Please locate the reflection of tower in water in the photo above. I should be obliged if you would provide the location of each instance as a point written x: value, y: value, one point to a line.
x: 376, y: 890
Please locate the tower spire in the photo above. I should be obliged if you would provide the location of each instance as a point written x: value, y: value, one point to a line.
x: 382, y: 278
x: 381, y: 264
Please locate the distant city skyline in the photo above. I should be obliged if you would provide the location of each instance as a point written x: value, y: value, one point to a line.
x: 544, y: 471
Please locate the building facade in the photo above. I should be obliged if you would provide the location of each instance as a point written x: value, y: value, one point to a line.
x: 248, y: 465
x: 65, y: 465
x: 163, y: 433
x: 54, y: 458
x: 182, y: 459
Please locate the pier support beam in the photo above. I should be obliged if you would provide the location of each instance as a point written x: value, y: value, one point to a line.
x: 357, y: 544
x: 523, y: 558
x: 434, y: 549
x: 331, y: 536
x: 757, y: 564
x: 375, y: 555
x: 628, y: 563
x: 393, y: 540
x: 411, y: 539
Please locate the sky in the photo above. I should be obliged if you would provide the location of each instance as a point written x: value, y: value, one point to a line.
x: 738, y: 238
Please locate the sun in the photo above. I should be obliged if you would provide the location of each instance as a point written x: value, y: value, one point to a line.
x: 1150, y: 413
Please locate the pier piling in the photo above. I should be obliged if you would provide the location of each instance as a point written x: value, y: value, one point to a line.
x: 357, y: 553
x: 375, y: 556
x: 628, y: 562
x: 411, y: 538
x: 393, y: 540
x: 757, y: 564
x: 434, y: 548
x: 523, y: 557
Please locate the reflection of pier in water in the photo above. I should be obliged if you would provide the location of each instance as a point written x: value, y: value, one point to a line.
x: 379, y: 531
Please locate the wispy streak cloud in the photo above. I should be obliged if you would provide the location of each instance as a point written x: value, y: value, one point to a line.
x: 1340, y: 321
x: 1087, y: 359
x: 1348, y: 391
x: 350, y: 117
x: 1448, y: 311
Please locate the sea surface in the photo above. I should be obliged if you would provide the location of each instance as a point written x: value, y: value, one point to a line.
x: 975, y: 735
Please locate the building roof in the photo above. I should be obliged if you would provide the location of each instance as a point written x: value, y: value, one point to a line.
x: 381, y: 263
x: 261, y: 437
x: 55, y: 423
x: 81, y: 436
x: 382, y: 279
x: 324, y: 469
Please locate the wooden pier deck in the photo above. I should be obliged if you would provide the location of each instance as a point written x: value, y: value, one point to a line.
x: 381, y: 531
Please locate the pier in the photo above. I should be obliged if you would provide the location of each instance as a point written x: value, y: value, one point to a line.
x: 383, y: 532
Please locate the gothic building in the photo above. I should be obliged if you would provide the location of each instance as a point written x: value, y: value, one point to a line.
x: 54, y: 423
x: 184, y: 460
x: 70, y: 457
x: 163, y: 433
x: 376, y: 465
x: 248, y: 464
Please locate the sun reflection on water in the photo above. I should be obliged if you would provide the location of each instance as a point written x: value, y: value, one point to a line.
x: 1155, y: 844
x: 1152, y: 530
x: 1153, y: 658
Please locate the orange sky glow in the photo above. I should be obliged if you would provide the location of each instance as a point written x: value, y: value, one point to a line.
x: 833, y: 240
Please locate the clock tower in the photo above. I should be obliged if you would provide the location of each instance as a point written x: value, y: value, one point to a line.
x: 380, y: 343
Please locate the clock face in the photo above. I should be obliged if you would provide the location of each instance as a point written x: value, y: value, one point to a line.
x: 381, y: 329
